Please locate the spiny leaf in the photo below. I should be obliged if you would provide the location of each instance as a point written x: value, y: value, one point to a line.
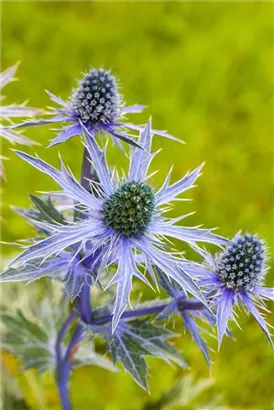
x: 27, y: 340
x: 32, y: 339
x: 45, y: 212
x: 48, y: 212
x: 132, y: 341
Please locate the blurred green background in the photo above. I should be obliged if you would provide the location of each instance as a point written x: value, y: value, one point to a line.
x: 205, y: 70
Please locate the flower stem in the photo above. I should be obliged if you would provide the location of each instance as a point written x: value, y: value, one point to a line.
x: 128, y: 315
x: 83, y: 306
x: 152, y: 310
x: 86, y: 170
x: 83, y: 300
x: 75, y: 340
x: 131, y: 314
x: 63, y: 366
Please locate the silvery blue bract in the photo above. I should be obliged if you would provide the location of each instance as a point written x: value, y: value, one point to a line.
x: 9, y: 112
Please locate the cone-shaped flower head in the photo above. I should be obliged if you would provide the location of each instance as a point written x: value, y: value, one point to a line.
x: 242, y: 265
x: 97, y: 106
x: 129, y: 210
x: 97, y: 100
x: 236, y: 276
x: 124, y: 222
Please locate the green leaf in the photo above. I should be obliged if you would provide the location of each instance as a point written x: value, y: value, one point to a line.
x: 132, y: 341
x: 45, y: 212
x: 154, y: 341
x: 27, y: 340
x: 21, y: 327
x: 33, y: 340
x: 125, y: 349
x: 48, y: 212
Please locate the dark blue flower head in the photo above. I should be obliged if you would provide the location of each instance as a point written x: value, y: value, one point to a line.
x: 236, y: 276
x: 97, y: 99
x: 241, y: 266
x: 96, y: 106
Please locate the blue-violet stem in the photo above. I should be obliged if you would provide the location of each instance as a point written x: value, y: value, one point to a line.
x: 86, y: 170
x: 62, y: 365
x: 83, y: 305
x: 83, y: 300
x: 75, y: 340
x: 132, y: 314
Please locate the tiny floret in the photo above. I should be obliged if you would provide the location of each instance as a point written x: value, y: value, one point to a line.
x: 241, y: 265
x: 129, y: 210
x: 97, y: 99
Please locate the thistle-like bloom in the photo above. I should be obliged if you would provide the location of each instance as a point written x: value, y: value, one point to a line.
x: 12, y: 111
x: 236, y: 276
x: 123, y: 220
x: 95, y: 105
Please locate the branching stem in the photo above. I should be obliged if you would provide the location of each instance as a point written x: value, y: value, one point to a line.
x: 147, y: 311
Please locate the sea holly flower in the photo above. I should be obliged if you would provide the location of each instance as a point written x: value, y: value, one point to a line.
x: 235, y: 276
x: 123, y: 220
x: 97, y: 106
x: 12, y: 111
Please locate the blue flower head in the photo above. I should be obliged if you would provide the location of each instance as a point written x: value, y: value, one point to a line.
x: 97, y: 100
x: 97, y: 106
x: 236, y: 275
x: 241, y: 266
x: 123, y: 221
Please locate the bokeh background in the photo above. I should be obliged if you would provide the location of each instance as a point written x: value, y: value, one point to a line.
x: 205, y: 71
